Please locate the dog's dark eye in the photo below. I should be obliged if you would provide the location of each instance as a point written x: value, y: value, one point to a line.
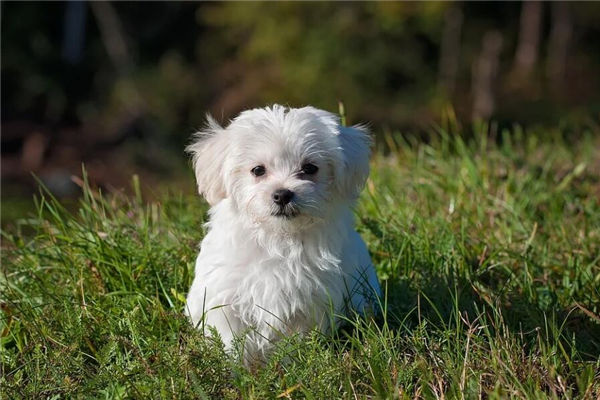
x: 309, y: 169
x: 259, y: 170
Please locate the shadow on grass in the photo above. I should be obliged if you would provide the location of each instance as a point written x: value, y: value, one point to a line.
x: 440, y: 298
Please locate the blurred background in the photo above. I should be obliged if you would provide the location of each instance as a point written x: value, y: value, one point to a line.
x: 120, y: 87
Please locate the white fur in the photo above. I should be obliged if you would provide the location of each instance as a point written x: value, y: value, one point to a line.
x: 262, y: 275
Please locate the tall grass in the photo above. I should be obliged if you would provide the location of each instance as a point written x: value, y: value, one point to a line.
x: 488, y: 250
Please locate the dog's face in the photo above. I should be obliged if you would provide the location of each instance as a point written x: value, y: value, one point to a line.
x: 282, y: 167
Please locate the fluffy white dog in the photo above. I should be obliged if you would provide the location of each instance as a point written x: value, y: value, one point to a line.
x: 281, y: 254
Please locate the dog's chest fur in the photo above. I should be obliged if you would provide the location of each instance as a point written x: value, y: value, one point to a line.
x: 287, y: 286
x: 277, y: 280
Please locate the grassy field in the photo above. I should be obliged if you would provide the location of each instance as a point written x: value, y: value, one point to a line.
x: 489, y: 251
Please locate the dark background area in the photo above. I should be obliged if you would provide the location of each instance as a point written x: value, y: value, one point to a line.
x: 121, y: 86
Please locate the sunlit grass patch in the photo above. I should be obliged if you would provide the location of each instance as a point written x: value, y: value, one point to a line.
x: 489, y: 252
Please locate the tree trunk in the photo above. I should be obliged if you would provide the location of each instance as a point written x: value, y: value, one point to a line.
x: 529, y: 40
x: 558, y: 46
x: 485, y: 71
x: 450, y: 49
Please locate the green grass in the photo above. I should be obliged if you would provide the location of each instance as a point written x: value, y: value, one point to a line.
x: 489, y: 253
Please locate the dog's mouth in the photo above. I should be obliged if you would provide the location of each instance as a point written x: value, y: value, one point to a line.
x: 287, y: 212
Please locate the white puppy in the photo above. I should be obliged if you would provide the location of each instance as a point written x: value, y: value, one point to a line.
x: 281, y: 254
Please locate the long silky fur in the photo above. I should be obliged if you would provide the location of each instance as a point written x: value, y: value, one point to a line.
x: 261, y: 276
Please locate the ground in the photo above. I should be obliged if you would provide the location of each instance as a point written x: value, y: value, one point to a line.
x: 488, y: 249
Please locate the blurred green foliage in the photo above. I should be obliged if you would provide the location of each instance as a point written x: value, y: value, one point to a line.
x: 381, y: 58
x: 370, y: 55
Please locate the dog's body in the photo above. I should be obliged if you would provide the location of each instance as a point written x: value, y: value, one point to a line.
x: 281, y: 255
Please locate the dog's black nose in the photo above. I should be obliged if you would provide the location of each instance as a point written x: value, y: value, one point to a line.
x: 282, y: 196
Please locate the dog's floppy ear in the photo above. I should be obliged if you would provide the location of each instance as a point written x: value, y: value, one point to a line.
x: 209, y: 152
x: 355, y: 144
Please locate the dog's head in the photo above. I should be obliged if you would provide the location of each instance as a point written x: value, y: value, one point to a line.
x: 281, y: 165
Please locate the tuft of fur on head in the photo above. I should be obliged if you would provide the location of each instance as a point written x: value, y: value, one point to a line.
x: 281, y: 140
